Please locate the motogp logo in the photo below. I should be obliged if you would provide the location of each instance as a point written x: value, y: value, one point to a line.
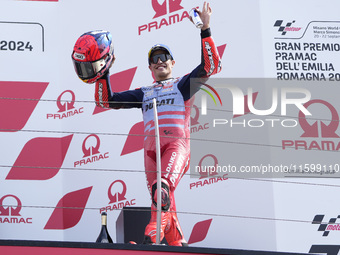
x: 284, y: 28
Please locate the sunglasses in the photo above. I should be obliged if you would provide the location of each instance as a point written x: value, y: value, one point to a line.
x: 164, y: 57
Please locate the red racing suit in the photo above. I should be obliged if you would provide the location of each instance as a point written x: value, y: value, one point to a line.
x: 173, y: 105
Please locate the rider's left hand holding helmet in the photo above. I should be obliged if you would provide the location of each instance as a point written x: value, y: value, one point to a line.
x: 93, y: 55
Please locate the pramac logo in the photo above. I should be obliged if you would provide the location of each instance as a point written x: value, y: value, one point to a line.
x: 91, y: 152
x: 206, y: 169
x: 10, y: 213
x: 161, y: 9
x: 325, y: 130
x: 10, y: 210
x: 165, y: 9
x: 65, y: 107
x: 324, y: 134
x: 195, y: 125
x: 117, y: 197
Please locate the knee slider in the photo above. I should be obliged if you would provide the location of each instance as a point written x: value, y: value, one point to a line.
x: 165, y: 193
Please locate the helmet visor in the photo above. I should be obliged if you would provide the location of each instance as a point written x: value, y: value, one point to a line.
x: 88, y: 70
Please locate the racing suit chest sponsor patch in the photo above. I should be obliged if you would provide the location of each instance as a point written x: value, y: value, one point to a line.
x: 168, y: 97
x: 166, y: 94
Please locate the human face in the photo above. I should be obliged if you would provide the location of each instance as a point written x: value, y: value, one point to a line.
x: 162, y: 70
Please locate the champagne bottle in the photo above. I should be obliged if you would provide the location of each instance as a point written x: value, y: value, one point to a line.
x: 104, y: 236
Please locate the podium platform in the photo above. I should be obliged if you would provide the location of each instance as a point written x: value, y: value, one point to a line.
x: 131, y: 223
x: 130, y: 226
x: 19, y: 247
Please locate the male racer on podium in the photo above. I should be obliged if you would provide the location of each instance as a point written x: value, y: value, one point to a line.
x: 93, y: 56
